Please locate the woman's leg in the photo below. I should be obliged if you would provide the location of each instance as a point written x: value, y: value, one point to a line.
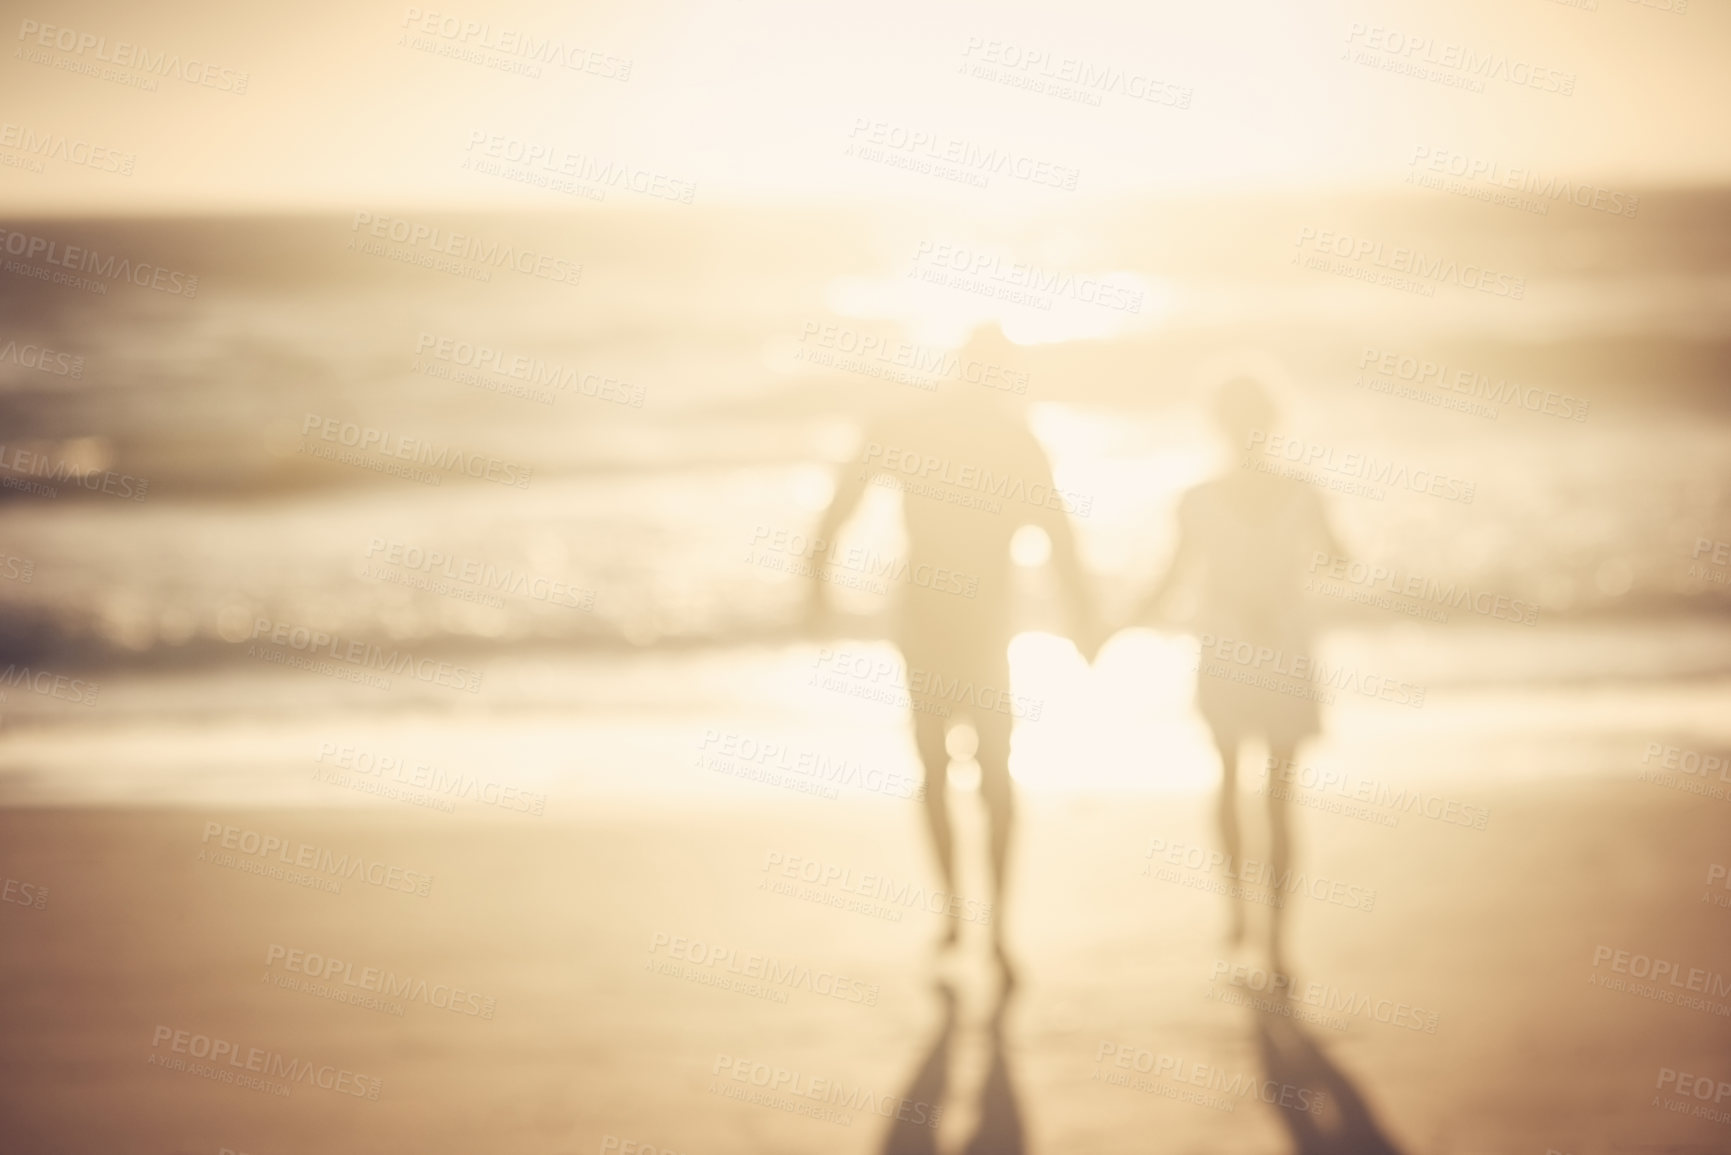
x: 929, y: 730
x: 1279, y: 851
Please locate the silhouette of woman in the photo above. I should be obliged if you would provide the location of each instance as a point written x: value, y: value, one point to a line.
x: 1245, y: 539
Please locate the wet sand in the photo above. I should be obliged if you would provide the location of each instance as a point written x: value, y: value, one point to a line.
x: 1489, y: 936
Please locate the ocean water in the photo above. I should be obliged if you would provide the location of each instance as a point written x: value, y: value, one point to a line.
x: 688, y: 402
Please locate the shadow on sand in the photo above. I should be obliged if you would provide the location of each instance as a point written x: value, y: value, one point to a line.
x: 999, y: 1131
x: 1291, y: 1057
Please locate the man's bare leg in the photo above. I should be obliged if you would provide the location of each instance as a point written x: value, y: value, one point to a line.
x: 929, y: 738
x: 999, y: 797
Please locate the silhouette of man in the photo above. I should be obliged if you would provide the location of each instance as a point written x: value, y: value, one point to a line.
x: 1245, y: 540
x: 970, y: 474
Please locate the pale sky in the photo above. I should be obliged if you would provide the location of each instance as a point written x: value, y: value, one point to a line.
x: 759, y: 99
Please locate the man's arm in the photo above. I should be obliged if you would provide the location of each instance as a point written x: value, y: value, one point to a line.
x: 1328, y: 539
x: 1184, y: 562
x: 849, y: 488
x: 1089, y: 631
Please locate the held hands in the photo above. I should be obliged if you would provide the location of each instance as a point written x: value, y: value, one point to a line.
x: 816, y: 617
x: 1091, y: 634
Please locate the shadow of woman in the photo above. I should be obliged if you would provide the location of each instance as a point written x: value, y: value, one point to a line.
x: 999, y: 1131
x: 1345, y: 1124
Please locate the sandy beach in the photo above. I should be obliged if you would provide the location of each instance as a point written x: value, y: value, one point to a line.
x: 529, y: 533
x: 1489, y: 1027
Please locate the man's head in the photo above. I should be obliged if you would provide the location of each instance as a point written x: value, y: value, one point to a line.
x: 987, y: 345
x: 1242, y: 405
x: 991, y: 370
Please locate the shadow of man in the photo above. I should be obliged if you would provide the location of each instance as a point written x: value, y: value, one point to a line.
x: 1000, y: 1130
